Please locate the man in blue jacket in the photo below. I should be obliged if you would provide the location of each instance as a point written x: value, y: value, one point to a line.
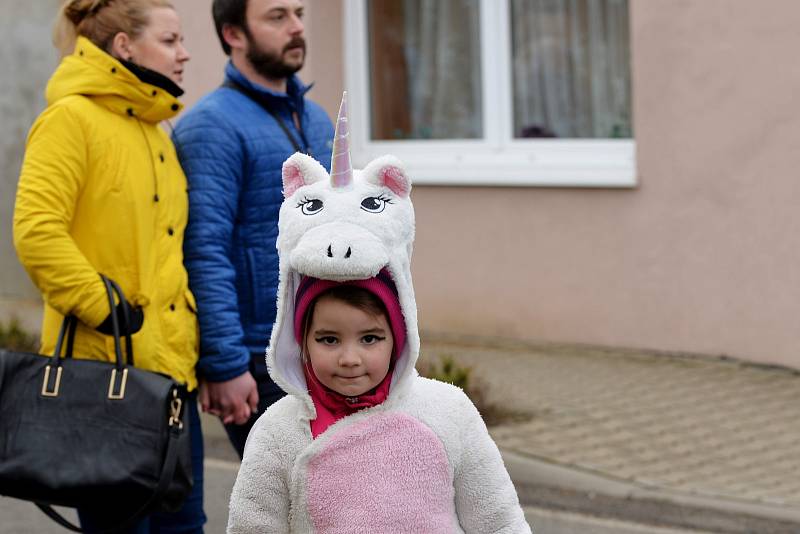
x: 232, y: 145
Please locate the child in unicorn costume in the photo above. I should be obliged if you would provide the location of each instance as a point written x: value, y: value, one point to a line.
x: 361, y: 443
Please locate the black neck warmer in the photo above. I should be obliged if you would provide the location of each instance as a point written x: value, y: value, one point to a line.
x: 153, y: 78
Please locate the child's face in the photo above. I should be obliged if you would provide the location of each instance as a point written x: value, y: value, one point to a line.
x: 350, y: 349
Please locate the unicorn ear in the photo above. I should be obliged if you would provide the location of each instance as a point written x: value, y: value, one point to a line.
x: 388, y: 171
x: 300, y: 170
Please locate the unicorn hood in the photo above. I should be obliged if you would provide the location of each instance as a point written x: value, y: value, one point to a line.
x: 346, y: 225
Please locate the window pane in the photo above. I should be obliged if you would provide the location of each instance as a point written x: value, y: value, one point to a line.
x: 425, y: 69
x: 571, y: 68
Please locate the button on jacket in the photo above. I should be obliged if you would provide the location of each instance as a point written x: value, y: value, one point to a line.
x: 101, y: 191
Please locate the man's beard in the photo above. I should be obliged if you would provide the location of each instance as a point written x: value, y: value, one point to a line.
x: 272, y: 66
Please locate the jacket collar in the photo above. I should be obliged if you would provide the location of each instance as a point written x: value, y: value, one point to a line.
x: 153, y: 78
x: 95, y: 74
x: 331, y: 406
x: 293, y: 97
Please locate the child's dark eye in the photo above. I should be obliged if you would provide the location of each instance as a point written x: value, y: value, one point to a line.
x: 371, y: 339
x: 310, y: 206
x: 327, y: 340
x: 375, y: 204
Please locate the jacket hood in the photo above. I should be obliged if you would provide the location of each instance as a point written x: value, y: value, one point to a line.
x: 93, y: 73
x: 342, y: 232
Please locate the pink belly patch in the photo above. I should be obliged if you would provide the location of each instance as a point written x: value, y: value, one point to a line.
x: 387, y: 474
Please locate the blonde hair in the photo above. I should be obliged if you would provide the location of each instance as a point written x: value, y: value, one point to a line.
x: 100, y: 20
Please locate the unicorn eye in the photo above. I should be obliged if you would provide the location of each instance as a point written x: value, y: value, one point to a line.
x: 310, y: 206
x: 375, y: 204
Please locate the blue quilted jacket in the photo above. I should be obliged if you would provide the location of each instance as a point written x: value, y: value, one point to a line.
x: 232, y: 151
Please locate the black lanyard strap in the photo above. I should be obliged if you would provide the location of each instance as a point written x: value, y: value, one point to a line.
x: 262, y: 101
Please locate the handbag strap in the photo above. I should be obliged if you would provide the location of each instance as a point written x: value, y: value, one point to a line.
x: 58, y: 518
x: 167, y: 473
x: 70, y: 323
x: 113, y: 287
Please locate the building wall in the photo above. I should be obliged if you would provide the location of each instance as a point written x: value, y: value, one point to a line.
x: 27, y: 59
x: 701, y: 257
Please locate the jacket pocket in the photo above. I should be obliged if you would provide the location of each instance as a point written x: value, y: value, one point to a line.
x: 190, y: 301
x: 262, y: 274
x: 194, y: 332
x: 256, y: 308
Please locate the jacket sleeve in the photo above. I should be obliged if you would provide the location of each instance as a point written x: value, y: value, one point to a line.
x: 53, y: 175
x: 260, y: 496
x: 486, y: 500
x: 212, y: 157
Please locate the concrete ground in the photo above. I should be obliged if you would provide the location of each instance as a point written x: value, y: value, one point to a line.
x: 605, y: 441
x: 670, y: 440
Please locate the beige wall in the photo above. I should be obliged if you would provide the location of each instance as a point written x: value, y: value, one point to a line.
x: 27, y: 60
x: 204, y: 71
x: 702, y: 257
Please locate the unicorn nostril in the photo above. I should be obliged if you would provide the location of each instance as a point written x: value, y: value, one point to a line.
x: 330, y: 253
x: 347, y: 255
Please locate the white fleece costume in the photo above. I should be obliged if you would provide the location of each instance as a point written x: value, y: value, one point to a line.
x: 420, y: 462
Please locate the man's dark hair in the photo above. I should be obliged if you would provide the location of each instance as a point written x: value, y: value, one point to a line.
x: 231, y: 12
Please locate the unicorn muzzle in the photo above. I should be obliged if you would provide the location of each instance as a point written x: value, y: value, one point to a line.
x: 339, y: 251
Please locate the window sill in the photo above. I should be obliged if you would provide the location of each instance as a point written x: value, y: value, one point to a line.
x: 551, y: 163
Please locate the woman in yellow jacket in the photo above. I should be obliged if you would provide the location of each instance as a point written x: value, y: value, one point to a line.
x: 101, y: 191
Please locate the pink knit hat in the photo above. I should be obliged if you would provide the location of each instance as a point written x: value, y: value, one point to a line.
x: 381, y: 286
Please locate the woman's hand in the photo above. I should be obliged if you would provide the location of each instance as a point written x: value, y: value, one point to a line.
x: 233, y: 401
x: 136, y: 316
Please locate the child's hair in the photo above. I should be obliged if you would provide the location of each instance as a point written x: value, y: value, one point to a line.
x: 100, y: 20
x: 358, y: 297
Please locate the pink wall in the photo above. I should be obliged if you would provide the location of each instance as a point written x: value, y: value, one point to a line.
x: 204, y: 70
x: 702, y: 257
x: 717, y: 123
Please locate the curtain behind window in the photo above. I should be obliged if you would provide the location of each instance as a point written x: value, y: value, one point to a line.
x: 425, y: 69
x: 571, y: 68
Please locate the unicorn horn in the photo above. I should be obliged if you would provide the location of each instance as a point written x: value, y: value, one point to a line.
x: 341, y: 166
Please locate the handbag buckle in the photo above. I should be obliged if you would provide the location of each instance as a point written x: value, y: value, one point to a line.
x: 175, y: 411
x: 56, y: 386
x: 123, y: 382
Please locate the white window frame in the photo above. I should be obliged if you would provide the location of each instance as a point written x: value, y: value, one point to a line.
x: 497, y: 159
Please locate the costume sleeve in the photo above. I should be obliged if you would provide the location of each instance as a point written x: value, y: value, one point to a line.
x: 260, y: 496
x: 212, y: 156
x: 486, y: 500
x: 52, y: 178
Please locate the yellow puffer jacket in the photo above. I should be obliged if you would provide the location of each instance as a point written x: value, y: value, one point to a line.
x: 101, y: 191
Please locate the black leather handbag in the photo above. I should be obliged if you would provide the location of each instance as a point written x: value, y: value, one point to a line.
x: 92, y: 434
